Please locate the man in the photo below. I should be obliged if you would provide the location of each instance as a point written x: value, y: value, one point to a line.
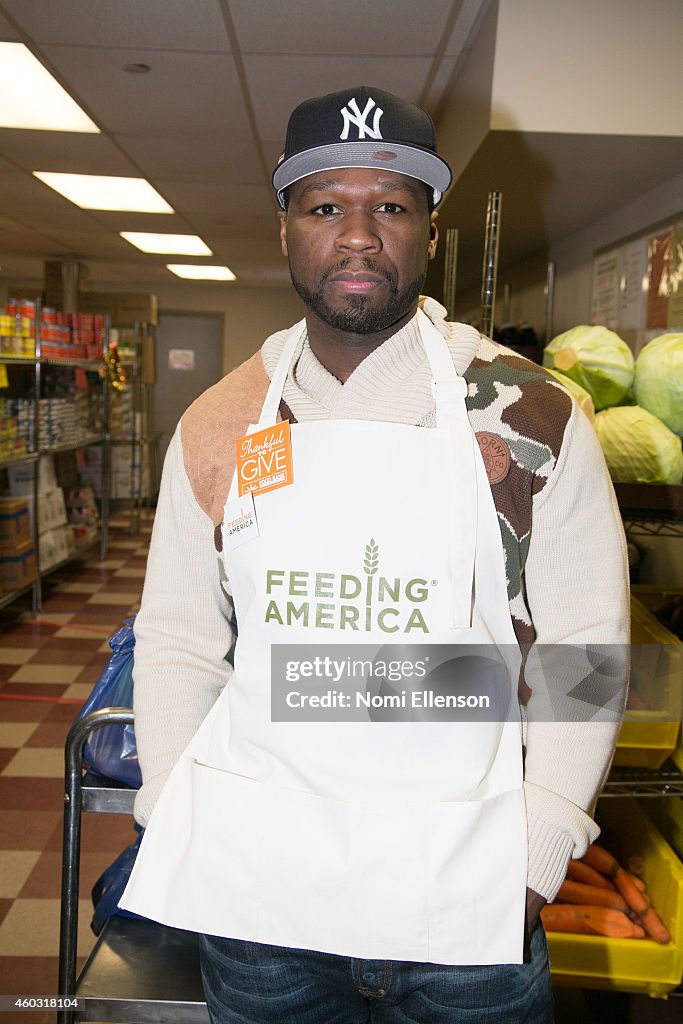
x: 374, y: 479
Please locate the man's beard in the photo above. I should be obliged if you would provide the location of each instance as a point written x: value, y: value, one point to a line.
x: 361, y: 315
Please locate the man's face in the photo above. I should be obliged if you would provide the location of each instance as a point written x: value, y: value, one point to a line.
x: 358, y: 242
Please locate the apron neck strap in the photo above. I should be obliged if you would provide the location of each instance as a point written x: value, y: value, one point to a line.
x: 271, y: 405
x: 449, y: 389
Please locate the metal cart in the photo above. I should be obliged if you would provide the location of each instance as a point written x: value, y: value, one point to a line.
x: 139, y: 972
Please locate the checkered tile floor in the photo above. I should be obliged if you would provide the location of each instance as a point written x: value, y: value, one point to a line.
x: 48, y: 666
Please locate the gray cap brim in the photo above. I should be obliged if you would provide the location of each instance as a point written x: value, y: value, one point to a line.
x: 383, y: 154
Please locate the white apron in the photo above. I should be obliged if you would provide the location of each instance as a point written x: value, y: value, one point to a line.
x: 399, y: 840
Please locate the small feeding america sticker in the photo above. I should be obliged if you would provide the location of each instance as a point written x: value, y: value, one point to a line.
x: 264, y: 460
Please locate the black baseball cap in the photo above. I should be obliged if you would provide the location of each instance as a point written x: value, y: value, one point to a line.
x: 361, y: 127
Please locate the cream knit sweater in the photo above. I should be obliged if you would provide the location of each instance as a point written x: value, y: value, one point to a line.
x: 182, y: 631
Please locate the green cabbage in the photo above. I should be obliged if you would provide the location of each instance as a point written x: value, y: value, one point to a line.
x: 658, y: 381
x: 580, y: 394
x: 638, y: 447
x: 595, y: 358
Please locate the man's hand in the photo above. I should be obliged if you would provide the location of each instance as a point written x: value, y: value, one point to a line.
x: 534, y: 905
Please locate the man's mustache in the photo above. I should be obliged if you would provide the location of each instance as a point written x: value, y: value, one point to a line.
x: 364, y: 263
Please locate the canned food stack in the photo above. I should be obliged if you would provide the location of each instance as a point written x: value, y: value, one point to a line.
x: 13, y: 442
x: 63, y: 336
x: 16, y: 335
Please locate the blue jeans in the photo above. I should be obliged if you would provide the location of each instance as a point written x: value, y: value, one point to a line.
x: 251, y: 983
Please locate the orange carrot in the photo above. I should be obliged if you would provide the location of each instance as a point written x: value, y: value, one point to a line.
x: 589, y: 921
x: 639, y: 902
x: 654, y: 926
x: 638, y: 882
x: 591, y: 895
x: 631, y: 892
x: 580, y: 872
x: 600, y: 859
x: 636, y: 865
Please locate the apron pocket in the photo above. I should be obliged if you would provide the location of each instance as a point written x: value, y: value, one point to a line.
x: 290, y: 868
x: 477, y: 877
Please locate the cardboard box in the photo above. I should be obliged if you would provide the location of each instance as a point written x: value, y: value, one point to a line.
x: 21, y: 477
x: 51, y: 509
x: 54, y: 547
x: 15, y: 524
x: 122, y: 307
x: 98, y: 302
x: 132, y: 308
x: 18, y: 569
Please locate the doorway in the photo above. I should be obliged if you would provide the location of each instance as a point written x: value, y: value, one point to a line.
x: 189, y: 359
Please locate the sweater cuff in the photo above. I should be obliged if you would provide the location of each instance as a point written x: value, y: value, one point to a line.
x: 147, y: 796
x: 557, y: 831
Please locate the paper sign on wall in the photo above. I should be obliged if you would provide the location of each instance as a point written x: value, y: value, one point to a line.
x: 606, y: 289
x: 660, y: 253
x: 675, y: 320
x: 181, y: 359
x: 264, y: 460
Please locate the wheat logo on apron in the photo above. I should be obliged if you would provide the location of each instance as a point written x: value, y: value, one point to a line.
x: 360, y: 602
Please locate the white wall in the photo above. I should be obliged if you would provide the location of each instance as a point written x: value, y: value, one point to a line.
x: 610, y: 67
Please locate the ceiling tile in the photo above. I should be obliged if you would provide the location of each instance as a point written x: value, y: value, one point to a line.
x: 119, y: 220
x: 154, y: 24
x: 97, y: 244
x: 202, y: 197
x: 54, y: 217
x: 218, y: 228
x: 21, y: 190
x: 27, y: 241
x: 316, y: 76
x: 68, y: 152
x: 251, y: 251
x: 216, y: 161
x: 190, y: 95
x: 14, y: 267
x: 353, y: 27
x: 8, y: 170
x: 134, y: 277
x: 8, y: 33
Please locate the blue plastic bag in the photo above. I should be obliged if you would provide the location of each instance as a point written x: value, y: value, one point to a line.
x: 108, y: 889
x: 111, y: 751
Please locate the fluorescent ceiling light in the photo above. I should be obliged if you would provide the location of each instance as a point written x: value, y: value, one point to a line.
x: 31, y: 98
x: 184, y: 245
x: 101, y: 192
x: 194, y: 272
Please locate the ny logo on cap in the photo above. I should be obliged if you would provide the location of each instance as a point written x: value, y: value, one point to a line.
x: 352, y: 115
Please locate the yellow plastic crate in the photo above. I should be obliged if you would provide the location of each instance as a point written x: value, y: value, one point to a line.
x: 667, y: 814
x: 630, y: 965
x: 647, y: 738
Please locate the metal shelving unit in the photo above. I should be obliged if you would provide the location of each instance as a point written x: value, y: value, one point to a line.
x: 140, y: 439
x: 644, y: 782
x: 37, y: 450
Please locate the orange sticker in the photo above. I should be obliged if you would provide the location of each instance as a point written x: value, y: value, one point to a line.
x: 264, y: 460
